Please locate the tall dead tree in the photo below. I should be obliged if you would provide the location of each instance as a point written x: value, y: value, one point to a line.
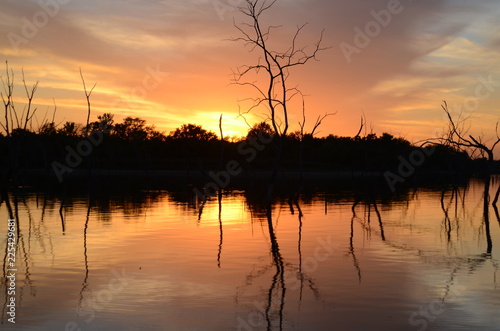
x: 29, y: 95
x: 273, y: 91
x: 272, y: 69
x: 87, y: 96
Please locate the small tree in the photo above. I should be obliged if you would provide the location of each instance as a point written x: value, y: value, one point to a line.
x: 193, y: 132
x: 104, y: 124
x: 262, y: 128
x: 69, y: 129
x: 48, y: 128
x: 132, y: 129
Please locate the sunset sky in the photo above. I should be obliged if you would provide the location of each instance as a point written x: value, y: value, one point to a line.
x: 170, y: 62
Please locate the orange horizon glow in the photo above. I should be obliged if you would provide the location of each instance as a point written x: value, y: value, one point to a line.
x: 171, y: 64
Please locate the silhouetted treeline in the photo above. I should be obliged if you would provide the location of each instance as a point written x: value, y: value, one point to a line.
x: 132, y: 144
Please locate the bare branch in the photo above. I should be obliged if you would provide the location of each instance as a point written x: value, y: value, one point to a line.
x: 458, y: 137
x: 55, y: 110
x: 87, y: 96
x: 361, y: 125
x: 29, y: 95
x: 319, y: 120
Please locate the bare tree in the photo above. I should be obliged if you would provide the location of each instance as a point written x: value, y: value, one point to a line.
x: 302, y: 134
x: 316, y: 125
x: 7, y: 95
x: 457, y: 135
x: 275, y: 93
x: 10, y: 112
x: 29, y: 96
x: 87, y: 96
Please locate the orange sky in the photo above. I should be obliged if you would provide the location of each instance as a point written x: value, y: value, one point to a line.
x: 170, y: 62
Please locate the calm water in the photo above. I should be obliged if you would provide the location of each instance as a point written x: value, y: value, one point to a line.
x: 156, y: 261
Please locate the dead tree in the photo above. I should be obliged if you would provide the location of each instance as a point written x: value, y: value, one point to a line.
x: 12, y: 120
x: 457, y: 135
x: 29, y: 95
x: 303, y: 134
x: 87, y: 96
x: 274, y: 91
x: 7, y: 98
x: 272, y: 69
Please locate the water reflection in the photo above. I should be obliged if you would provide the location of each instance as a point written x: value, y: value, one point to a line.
x: 272, y: 306
x: 85, y: 256
x: 237, y: 260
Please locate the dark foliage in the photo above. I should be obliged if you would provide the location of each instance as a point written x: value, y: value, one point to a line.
x: 134, y: 145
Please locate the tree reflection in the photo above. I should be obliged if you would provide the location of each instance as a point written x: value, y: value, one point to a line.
x: 495, y: 208
x: 5, y: 200
x: 486, y: 216
x: 286, y: 276
x: 85, y: 256
x: 294, y: 201
x: 351, y: 241
x: 283, y: 274
x: 369, y: 202
x: 277, y: 288
x: 452, y: 199
x: 457, y: 199
x: 221, y: 237
x: 447, y: 224
x: 22, y: 250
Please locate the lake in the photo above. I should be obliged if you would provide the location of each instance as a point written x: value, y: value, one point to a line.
x: 423, y: 259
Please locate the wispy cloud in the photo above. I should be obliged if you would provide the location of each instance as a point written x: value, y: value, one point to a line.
x: 431, y: 50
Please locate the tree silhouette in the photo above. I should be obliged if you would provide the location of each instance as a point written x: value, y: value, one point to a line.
x: 87, y: 97
x: 14, y: 121
x: 274, y: 91
x: 48, y: 128
x: 132, y: 129
x: 272, y: 69
x: 261, y: 128
x: 69, y: 129
x: 457, y: 135
x: 193, y: 132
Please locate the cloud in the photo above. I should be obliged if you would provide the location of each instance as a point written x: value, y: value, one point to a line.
x: 430, y: 50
